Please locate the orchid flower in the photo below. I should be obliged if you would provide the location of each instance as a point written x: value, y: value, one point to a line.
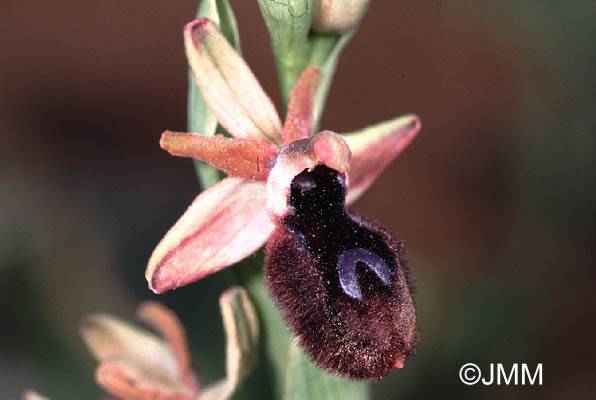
x: 235, y: 217
x: 339, y: 279
x: 137, y: 365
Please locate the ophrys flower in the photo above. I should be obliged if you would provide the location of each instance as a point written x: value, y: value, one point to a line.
x: 135, y: 364
x: 324, y: 263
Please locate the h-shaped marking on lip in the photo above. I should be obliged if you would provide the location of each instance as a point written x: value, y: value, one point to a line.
x: 346, y: 265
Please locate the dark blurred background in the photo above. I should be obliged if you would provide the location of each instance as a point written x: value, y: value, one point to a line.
x: 495, y: 199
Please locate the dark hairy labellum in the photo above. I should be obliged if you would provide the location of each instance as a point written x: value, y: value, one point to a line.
x: 340, y: 281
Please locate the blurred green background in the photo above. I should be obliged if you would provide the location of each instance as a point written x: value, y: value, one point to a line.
x: 495, y: 199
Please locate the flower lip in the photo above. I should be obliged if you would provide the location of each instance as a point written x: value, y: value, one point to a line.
x: 340, y: 281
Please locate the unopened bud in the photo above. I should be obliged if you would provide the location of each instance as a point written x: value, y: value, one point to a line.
x: 337, y: 15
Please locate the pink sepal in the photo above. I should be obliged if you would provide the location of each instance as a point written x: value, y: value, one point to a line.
x: 223, y: 225
x: 227, y: 84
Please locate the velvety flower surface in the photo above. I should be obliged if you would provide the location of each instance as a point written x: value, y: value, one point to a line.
x: 235, y: 217
x: 135, y: 364
x: 341, y: 281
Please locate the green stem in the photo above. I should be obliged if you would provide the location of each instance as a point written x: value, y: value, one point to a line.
x: 288, y: 23
x: 288, y: 70
x: 321, y: 45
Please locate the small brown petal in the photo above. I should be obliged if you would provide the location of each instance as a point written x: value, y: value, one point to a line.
x: 374, y: 147
x: 298, y: 123
x: 246, y: 158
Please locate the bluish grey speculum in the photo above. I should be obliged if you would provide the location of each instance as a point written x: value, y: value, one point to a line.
x: 346, y: 249
x: 346, y: 266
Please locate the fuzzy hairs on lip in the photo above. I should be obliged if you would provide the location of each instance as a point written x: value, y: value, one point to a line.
x: 340, y: 281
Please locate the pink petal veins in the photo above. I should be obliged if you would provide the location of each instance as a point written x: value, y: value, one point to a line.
x: 227, y: 84
x: 374, y: 147
x: 246, y: 158
x: 298, y: 123
x: 223, y: 225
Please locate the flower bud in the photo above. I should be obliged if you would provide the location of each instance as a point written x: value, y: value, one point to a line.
x: 337, y: 15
